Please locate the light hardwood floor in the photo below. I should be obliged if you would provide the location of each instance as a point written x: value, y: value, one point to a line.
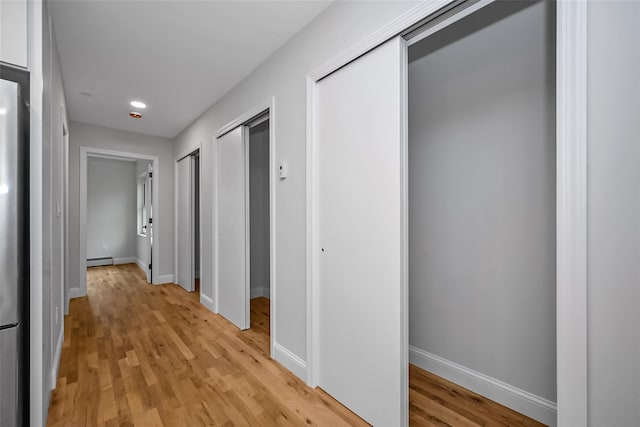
x: 142, y: 355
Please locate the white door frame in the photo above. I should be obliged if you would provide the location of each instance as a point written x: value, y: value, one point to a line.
x: 571, y: 188
x: 85, y: 153
x: 267, y: 106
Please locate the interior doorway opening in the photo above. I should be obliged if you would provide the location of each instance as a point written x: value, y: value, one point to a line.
x: 188, y: 221
x: 453, y: 212
x: 244, y: 225
x: 123, y: 248
x: 481, y: 210
x: 259, y: 226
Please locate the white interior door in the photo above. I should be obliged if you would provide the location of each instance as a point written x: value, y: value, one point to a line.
x: 184, y: 242
x: 233, y: 232
x: 361, y: 175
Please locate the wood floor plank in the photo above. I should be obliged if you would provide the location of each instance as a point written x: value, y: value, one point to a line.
x: 141, y: 355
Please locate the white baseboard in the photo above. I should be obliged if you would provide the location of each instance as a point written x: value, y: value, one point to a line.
x: 207, y: 302
x: 75, y: 293
x: 168, y: 278
x: 56, y: 360
x: 142, y: 265
x: 126, y: 260
x: 519, y: 400
x: 290, y: 361
x: 260, y: 292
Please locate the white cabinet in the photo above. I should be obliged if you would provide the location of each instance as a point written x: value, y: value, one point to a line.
x: 13, y: 32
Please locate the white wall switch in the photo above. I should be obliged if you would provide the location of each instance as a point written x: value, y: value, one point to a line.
x: 283, y: 171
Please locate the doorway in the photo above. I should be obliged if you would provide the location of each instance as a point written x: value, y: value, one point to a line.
x: 188, y: 225
x: 341, y: 178
x: 259, y: 228
x: 482, y: 208
x: 244, y: 224
x: 129, y: 255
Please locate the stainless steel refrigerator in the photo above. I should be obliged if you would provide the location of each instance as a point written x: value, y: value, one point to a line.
x: 14, y: 246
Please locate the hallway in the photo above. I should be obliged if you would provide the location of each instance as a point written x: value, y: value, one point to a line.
x: 142, y: 355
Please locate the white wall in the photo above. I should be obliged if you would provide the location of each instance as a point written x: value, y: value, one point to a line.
x: 82, y: 134
x: 259, y: 208
x: 283, y: 75
x: 111, y: 208
x: 482, y: 195
x: 13, y: 32
x: 613, y: 214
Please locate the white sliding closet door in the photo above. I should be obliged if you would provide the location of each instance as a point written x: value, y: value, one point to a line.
x: 361, y: 146
x: 233, y: 258
x: 184, y: 219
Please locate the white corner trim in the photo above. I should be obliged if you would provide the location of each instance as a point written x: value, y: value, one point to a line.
x: 76, y: 293
x: 289, y: 360
x: 207, y: 302
x: 167, y: 278
x: 142, y: 265
x: 56, y: 359
x: 126, y: 260
x: 517, y: 399
x: 571, y: 212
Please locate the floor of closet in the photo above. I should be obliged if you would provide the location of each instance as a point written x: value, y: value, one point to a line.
x: 434, y: 401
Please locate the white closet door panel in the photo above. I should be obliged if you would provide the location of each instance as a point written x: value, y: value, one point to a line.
x: 233, y: 280
x: 361, y: 146
x: 185, y: 232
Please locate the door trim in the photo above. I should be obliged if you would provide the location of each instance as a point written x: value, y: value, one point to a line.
x: 571, y: 187
x: 266, y: 106
x: 85, y: 153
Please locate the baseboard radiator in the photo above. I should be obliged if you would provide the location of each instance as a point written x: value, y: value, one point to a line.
x: 96, y: 262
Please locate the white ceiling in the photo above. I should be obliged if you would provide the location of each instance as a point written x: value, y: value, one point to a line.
x: 177, y: 56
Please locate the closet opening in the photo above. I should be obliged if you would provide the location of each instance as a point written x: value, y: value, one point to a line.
x: 482, y: 217
x: 188, y: 222
x: 244, y: 235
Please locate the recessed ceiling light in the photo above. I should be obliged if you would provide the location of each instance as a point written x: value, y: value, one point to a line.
x: 138, y: 104
x: 3, y: 111
x: 135, y: 115
x: 86, y: 94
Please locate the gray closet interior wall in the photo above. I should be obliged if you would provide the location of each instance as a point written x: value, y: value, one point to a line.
x: 482, y: 248
x: 259, y: 207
